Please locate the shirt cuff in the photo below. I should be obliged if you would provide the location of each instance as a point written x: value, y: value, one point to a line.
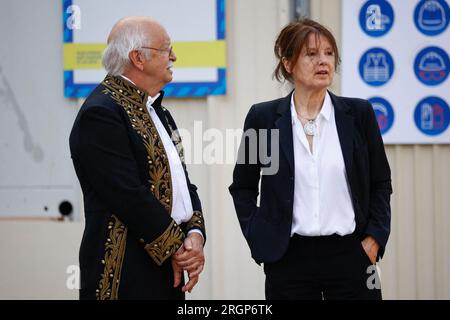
x: 196, y: 231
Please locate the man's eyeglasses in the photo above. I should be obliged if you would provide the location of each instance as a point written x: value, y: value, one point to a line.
x: 165, y: 52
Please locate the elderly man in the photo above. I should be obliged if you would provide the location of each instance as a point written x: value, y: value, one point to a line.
x: 144, y: 225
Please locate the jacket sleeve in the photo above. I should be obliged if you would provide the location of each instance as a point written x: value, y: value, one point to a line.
x: 379, y: 224
x: 107, y: 158
x: 246, y: 174
x: 197, y: 221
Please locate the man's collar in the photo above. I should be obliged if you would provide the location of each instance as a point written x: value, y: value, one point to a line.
x: 118, y: 86
x: 127, y: 79
x: 151, y: 100
x: 156, y: 100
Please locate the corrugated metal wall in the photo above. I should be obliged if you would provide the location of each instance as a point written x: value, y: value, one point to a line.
x: 417, y: 262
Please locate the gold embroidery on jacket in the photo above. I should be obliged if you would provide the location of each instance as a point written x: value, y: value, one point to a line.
x: 133, y: 100
x: 115, y: 251
x: 196, y: 221
x: 166, y: 244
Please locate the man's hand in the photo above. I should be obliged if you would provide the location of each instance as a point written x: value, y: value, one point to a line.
x: 371, y: 247
x: 177, y: 269
x: 191, y: 259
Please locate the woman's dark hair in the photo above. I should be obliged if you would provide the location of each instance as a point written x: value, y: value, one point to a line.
x: 293, y: 38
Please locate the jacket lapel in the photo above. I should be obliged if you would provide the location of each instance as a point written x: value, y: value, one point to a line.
x: 284, y: 124
x: 345, y: 127
x: 160, y: 112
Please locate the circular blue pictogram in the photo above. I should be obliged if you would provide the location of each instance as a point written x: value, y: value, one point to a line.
x: 376, y: 67
x: 431, y: 17
x: 376, y: 17
x: 383, y: 112
x: 432, y: 66
x: 432, y: 116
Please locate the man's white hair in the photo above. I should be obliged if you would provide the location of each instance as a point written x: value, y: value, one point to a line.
x: 130, y: 36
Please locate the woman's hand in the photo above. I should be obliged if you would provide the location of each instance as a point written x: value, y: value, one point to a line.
x: 371, y: 247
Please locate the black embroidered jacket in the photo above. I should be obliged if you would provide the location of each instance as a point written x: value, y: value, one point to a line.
x: 125, y: 177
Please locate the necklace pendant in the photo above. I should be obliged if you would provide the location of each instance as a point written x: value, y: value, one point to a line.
x: 310, y: 128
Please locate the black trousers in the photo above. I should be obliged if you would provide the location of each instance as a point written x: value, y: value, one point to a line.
x: 325, y: 267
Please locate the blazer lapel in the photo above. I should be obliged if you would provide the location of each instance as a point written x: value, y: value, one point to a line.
x: 345, y: 127
x: 284, y: 124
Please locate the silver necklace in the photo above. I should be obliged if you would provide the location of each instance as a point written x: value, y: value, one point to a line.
x: 310, y: 127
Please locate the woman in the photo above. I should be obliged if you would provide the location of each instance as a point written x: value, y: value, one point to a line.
x: 324, y: 216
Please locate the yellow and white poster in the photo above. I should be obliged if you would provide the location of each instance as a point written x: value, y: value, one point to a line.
x: 196, y: 27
